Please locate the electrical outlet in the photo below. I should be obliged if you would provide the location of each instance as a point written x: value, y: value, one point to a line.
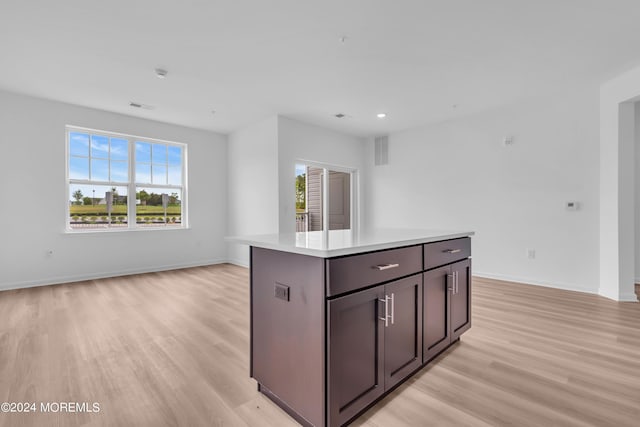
x: 531, y: 253
x: 281, y: 291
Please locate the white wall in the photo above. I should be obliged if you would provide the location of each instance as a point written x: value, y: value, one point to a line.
x: 261, y: 173
x: 637, y: 192
x: 617, y: 182
x: 301, y: 141
x: 252, y: 203
x: 32, y: 168
x: 458, y: 175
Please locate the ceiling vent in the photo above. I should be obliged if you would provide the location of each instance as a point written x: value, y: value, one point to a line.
x: 382, y: 150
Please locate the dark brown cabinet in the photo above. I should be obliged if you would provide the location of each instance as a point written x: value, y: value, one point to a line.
x: 356, y: 353
x: 403, y: 333
x: 447, y: 306
x: 332, y: 335
x: 375, y: 342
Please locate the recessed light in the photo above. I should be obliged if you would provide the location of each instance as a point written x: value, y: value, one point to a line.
x: 160, y: 73
x: 381, y: 115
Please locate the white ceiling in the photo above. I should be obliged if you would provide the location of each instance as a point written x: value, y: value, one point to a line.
x: 251, y: 59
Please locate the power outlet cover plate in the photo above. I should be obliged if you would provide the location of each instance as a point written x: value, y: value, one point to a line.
x: 281, y: 291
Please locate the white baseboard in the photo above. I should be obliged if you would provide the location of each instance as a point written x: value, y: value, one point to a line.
x: 106, y: 274
x: 628, y: 298
x: 564, y: 286
x: 528, y: 281
x: 238, y: 262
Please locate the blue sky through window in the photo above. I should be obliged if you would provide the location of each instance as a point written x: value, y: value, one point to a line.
x: 79, y: 144
x: 79, y: 168
x: 99, y: 146
x: 175, y: 155
x: 159, y: 153
x: 99, y: 170
x: 103, y: 158
x: 143, y: 152
x: 98, y: 157
x: 119, y: 149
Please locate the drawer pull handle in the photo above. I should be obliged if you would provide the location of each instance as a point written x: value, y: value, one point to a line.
x: 452, y: 251
x: 385, y: 266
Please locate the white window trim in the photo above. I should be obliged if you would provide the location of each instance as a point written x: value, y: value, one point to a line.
x: 130, y: 184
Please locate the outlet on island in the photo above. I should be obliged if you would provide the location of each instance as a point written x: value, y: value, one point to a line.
x: 282, y: 291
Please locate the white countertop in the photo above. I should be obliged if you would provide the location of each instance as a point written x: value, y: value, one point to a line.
x: 345, y: 242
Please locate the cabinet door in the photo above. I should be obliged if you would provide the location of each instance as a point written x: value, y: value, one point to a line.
x: 356, y: 353
x: 403, y: 333
x: 436, y: 313
x: 461, y: 299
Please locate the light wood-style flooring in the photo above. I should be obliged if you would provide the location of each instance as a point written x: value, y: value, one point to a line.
x: 172, y: 349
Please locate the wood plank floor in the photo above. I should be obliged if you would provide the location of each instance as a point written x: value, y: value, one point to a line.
x: 172, y: 349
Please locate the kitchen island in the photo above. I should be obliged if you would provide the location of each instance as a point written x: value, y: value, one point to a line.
x: 339, y: 319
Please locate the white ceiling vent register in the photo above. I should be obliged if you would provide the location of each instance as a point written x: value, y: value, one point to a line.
x: 382, y: 150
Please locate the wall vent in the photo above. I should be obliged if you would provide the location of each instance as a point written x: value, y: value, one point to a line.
x: 139, y: 105
x: 382, y: 150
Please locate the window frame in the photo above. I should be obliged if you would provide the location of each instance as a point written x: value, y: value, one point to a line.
x: 130, y: 184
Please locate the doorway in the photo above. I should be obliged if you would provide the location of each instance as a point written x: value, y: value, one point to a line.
x: 324, y: 198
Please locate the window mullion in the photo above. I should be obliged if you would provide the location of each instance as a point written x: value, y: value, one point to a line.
x: 90, y: 141
x: 109, y: 159
x: 132, y: 199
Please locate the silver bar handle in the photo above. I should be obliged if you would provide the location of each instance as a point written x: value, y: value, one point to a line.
x: 451, y: 279
x: 386, y: 310
x: 381, y: 267
x: 393, y: 308
x: 455, y: 282
x: 452, y: 251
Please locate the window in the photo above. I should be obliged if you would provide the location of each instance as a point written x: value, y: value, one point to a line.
x: 104, y: 169
x: 325, y: 197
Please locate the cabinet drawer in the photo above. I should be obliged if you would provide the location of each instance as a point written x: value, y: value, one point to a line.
x: 446, y: 252
x: 354, y: 272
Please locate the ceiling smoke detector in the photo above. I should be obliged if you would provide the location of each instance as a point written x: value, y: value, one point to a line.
x: 160, y: 73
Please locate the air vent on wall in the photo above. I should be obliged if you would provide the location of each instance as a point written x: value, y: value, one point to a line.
x: 143, y: 106
x: 381, y: 150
